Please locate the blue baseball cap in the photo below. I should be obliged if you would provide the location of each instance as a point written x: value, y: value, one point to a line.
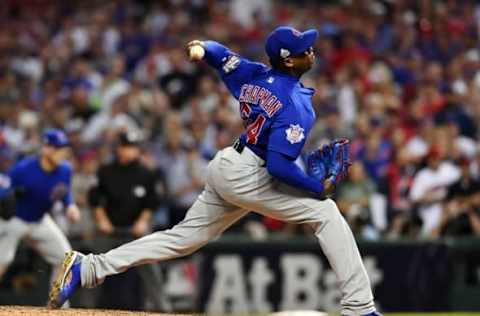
x: 286, y: 41
x: 56, y: 138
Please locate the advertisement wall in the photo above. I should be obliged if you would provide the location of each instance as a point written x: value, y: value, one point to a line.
x: 246, y: 277
x: 243, y: 276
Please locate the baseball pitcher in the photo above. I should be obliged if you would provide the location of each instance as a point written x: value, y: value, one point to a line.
x: 257, y: 173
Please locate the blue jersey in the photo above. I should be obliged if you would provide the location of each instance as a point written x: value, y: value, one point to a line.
x: 40, y: 189
x: 275, y: 107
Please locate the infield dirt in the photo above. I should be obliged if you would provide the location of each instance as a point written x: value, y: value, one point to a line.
x: 42, y: 311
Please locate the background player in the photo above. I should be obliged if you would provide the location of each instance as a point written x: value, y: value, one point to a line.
x: 39, y: 182
x: 257, y: 173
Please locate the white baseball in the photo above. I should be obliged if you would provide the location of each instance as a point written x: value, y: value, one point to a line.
x: 197, y: 52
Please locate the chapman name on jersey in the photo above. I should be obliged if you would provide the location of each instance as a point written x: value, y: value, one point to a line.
x: 260, y: 96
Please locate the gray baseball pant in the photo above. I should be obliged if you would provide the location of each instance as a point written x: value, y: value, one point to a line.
x: 237, y: 183
x: 44, y: 236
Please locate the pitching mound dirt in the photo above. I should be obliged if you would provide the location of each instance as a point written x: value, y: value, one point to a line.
x: 41, y: 311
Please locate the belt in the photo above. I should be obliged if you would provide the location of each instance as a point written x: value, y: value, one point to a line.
x: 238, y: 146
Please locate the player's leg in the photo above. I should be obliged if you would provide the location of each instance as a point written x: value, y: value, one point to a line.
x: 50, y: 242
x: 340, y: 248
x: 256, y: 190
x: 11, y: 232
x: 208, y: 217
x: 335, y: 238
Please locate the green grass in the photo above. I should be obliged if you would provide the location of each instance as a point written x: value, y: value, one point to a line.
x: 394, y: 314
x: 426, y: 314
x: 413, y: 314
x: 433, y: 314
x: 429, y: 314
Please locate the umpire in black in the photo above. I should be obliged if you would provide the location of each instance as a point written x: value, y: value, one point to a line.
x: 123, y: 201
x: 125, y: 195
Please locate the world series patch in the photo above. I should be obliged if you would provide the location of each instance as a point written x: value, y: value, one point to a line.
x: 231, y: 64
x: 295, y: 133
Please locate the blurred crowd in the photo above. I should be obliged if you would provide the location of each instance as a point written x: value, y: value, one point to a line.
x: 401, y: 79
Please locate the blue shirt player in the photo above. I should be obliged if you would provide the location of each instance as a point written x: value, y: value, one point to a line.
x: 38, y: 183
x: 257, y: 173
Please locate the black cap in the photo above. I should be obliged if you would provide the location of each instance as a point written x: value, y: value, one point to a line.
x: 130, y: 138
